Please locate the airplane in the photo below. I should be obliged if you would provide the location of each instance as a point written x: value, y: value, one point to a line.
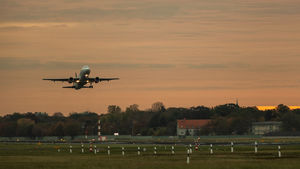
x: 82, y: 80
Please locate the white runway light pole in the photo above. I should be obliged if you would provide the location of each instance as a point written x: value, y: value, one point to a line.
x: 108, y: 150
x: 173, y: 152
x: 279, y: 152
x: 139, y: 152
x: 91, y: 147
x: 95, y: 149
x: 211, y: 149
x: 232, y: 147
x: 191, y: 152
x: 82, y: 148
x: 188, y: 156
x: 123, y: 151
x: 70, y: 149
x: 255, y: 148
x: 154, y: 150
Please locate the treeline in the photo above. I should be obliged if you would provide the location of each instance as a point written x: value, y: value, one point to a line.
x: 226, y: 119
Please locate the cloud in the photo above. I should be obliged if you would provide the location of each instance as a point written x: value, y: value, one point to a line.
x: 261, y: 67
x: 32, y: 26
x: 208, y: 66
x: 13, y: 63
x: 88, y: 10
x: 218, y: 66
x: 9, y: 63
x: 61, y: 11
x: 214, y: 87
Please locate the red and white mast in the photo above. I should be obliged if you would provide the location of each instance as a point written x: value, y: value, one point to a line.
x: 99, y: 132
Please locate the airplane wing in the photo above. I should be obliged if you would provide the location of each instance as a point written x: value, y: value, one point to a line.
x: 102, y: 79
x: 62, y: 80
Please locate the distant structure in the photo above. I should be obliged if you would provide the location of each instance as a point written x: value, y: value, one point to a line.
x: 261, y: 128
x: 190, y: 127
x: 264, y: 108
x: 99, y: 131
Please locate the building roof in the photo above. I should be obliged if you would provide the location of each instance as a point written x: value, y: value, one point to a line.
x: 193, y: 124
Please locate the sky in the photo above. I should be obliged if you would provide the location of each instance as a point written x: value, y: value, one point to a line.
x: 183, y: 53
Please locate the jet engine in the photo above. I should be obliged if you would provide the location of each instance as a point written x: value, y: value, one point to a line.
x: 97, y: 80
x: 71, y: 80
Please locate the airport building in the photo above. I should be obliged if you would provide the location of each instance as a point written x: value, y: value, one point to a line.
x: 261, y: 128
x: 190, y: 127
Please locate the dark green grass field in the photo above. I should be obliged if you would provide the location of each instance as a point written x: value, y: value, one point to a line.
x: 39, y: 156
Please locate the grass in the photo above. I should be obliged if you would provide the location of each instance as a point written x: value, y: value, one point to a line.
x: 45, y: 156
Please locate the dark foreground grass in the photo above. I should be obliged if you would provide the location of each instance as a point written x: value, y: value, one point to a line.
x: 44, y: 156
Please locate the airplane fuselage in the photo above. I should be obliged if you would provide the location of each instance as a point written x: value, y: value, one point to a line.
x: 83, y: 77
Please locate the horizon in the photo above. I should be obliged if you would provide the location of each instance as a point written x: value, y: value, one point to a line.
x: 179, y: 53
x: 260, y: 108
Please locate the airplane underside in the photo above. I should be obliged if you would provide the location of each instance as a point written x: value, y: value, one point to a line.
x: 77, y: 88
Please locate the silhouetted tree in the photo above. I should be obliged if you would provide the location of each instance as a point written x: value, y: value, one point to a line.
x: 187, y: 132
x: 113, y: 109
x: 226, y: 109
x: 282, y: 109
x: 72, y: 128
x: 132, y: 108
x: 291, y: 122
x: 59, y: 130
x: 24, y: 127
x: 158, y: 107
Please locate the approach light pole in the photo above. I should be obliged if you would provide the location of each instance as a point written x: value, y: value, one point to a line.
x: 99, y: 131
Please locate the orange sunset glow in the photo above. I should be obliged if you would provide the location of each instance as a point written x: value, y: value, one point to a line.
x: 264, y: 108
x: 182, y: 53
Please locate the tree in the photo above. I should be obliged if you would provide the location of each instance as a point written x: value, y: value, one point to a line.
x: 282, y: 109
x: 58, y: 115
x: 270, y: 115
x: 113, y: 109
x: 59, y: 130
x: 220, y: 126
x: 291, y: 122
x: 200, y: 112
x: 187, y: 132
x: 8, y: 129
x: 72, y: 128
x: 132, y: 108
x: 241, y: 125
x: 158, y: 107
x: 226, y: 109
x: 37, y: 131
x: 24, y: 127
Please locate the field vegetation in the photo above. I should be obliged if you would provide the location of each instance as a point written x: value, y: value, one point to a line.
x: 44, y: 156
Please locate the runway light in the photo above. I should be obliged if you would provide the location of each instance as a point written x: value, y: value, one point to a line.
x: 77, y: 81
x: 87, y: 81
